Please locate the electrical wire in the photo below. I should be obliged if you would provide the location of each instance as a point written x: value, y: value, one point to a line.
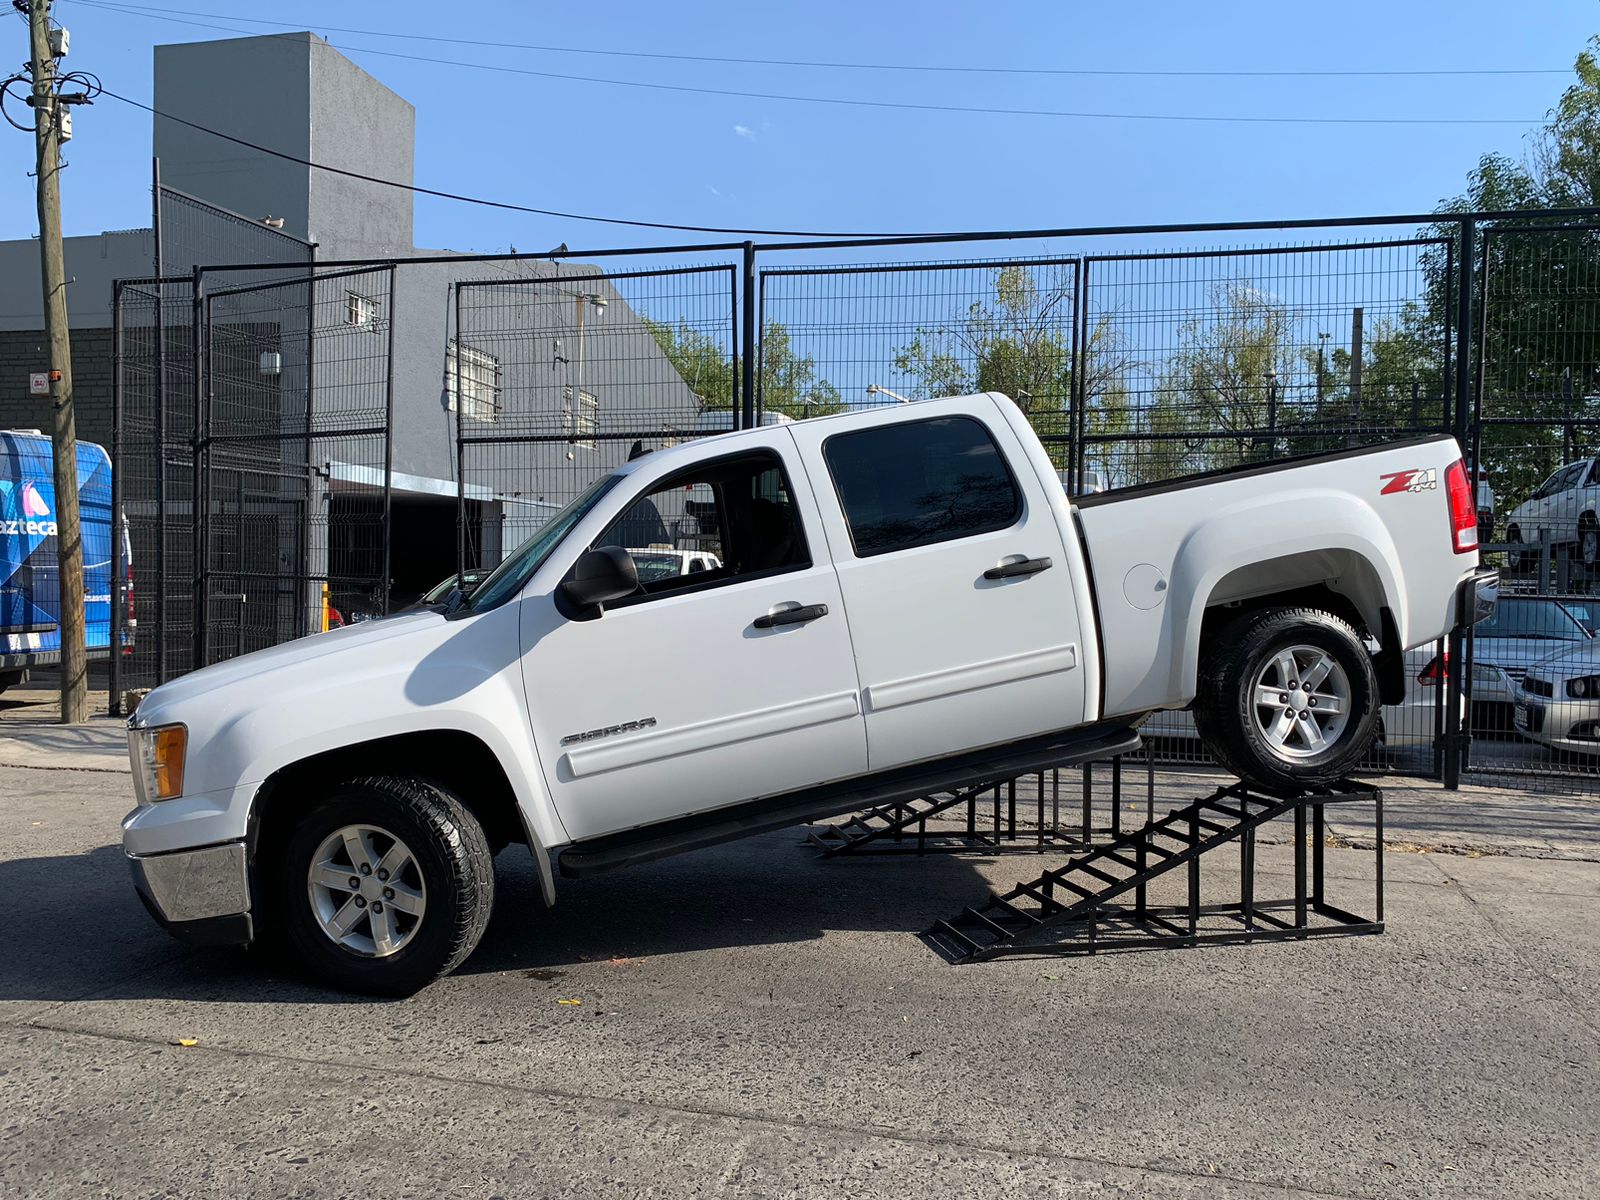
x: 5, y: 94
x: 901, y: 105
x: 141, y: 9
x: 499, y: 204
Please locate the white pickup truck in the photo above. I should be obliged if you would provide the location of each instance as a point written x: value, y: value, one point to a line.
x: 904, y: 600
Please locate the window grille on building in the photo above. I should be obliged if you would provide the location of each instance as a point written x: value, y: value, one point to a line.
x: 477, y: 375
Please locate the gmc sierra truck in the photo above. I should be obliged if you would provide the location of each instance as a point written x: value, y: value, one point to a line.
x: 904, y: 600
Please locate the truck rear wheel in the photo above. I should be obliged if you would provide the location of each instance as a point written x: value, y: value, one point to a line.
x: 1287, y: 698
x: 386, y: 885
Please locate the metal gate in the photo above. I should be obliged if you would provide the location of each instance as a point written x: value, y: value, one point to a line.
x: 293, y: 461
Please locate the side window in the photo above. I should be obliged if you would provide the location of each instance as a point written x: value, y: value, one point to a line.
x: 921, y: 482
x: 730, y: 519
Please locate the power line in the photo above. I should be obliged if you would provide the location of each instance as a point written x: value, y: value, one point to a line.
x: 902, y: 105
x: 143, y: 9
x: 500, y: 204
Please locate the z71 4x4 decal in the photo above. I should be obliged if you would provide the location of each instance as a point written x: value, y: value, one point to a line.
x: 1415, y: 480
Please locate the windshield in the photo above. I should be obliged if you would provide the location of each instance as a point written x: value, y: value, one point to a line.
x: 506, y: 580
x: 1532, y: 619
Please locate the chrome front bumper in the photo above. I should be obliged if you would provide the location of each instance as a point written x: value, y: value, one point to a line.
x: 200, y: 896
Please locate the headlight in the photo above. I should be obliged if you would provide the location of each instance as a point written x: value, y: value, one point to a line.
x: 1586, y: 687
x: 158, y: 754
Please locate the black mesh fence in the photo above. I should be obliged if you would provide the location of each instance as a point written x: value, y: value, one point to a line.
x: 154, y: 466
x: 557, y: 377
x: 1195, y: 361
x: 375, y: 430
x: 1534, y: 673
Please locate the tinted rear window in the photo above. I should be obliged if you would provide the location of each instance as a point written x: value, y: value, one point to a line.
x: 921, y: 482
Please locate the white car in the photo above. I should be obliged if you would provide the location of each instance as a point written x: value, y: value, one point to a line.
x: 664, y: 562
x: 1558, y: 704
x: 1564, y: 506
x: 906, y: 601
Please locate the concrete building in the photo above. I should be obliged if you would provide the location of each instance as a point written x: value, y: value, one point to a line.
x: 559, y: 373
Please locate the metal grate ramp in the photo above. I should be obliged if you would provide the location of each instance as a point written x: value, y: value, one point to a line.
x: 1072, y: 908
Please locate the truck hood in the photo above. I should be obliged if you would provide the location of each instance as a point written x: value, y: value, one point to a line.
x: 318, y: 651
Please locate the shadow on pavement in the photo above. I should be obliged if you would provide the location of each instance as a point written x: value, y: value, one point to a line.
x: 75, y: 930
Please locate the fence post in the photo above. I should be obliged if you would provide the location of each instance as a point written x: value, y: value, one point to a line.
x: 118, y: 568
x: 1455, y: 739
x: 197, y: 491
x: 747, y: 365
x: 388, y: 440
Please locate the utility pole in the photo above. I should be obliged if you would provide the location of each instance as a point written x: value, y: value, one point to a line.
x: 1357, y: 353
x: 47, y: 120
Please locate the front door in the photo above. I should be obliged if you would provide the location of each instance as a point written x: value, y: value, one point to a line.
x: 949, y: 552
x: 708, y: 687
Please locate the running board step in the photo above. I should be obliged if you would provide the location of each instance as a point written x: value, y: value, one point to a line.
x: 884, y: 791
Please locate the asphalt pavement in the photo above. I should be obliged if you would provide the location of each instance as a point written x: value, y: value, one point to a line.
x: 750, y: 1021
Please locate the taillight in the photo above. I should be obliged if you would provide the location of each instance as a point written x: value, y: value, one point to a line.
x: 1436, y: 672
x: 1463, y: 511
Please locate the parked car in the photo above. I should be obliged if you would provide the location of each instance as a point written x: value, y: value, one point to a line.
x: 30, y: 582
x: 908, y: 601
x: 1558, y: 703
x: 1521, y: 631
x: 1564, y: 506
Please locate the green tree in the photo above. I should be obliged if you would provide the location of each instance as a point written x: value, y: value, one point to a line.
x: 789, y: 382
x: 1018, y: 341
x: 1539, y: 295
x: 1224, y: 379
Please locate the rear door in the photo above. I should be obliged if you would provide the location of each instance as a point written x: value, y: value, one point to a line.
x: 950, y: 561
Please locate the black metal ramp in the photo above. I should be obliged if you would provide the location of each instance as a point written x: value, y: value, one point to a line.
x: 1072, y: 908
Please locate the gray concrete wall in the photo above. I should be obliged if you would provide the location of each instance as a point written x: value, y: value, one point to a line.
x: 256, y: 88
x: 359, y: 125
x: 93, y: 263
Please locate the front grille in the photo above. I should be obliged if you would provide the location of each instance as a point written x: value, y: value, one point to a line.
x: 1516, y: 673
x: 1538, y: 687
x: 1535, y: 720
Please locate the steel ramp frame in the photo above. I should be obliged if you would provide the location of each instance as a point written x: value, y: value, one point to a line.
x: 1082, y: 908
x: 990, y: 825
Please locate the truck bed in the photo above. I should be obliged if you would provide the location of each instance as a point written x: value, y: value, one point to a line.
x: 1372, y: 524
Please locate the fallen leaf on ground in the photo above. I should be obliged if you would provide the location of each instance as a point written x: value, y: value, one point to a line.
x: 569, y: 1001
x: 187, y: 1042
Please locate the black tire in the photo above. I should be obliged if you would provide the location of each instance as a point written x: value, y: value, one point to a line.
x: 1228, y: 719
x: 450, y: 858
x: 1519, y: 560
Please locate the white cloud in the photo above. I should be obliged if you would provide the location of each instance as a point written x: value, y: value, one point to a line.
x: 745, y: 132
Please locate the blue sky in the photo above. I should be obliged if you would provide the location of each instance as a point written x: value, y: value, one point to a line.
x: 742, y: 161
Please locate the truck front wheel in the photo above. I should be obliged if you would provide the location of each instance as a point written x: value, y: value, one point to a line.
x: 385, y: 885
x: 1287, y: 698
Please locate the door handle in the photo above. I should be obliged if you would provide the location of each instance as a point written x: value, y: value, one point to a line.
x: 1010, y: 570
x: 791, y: 616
